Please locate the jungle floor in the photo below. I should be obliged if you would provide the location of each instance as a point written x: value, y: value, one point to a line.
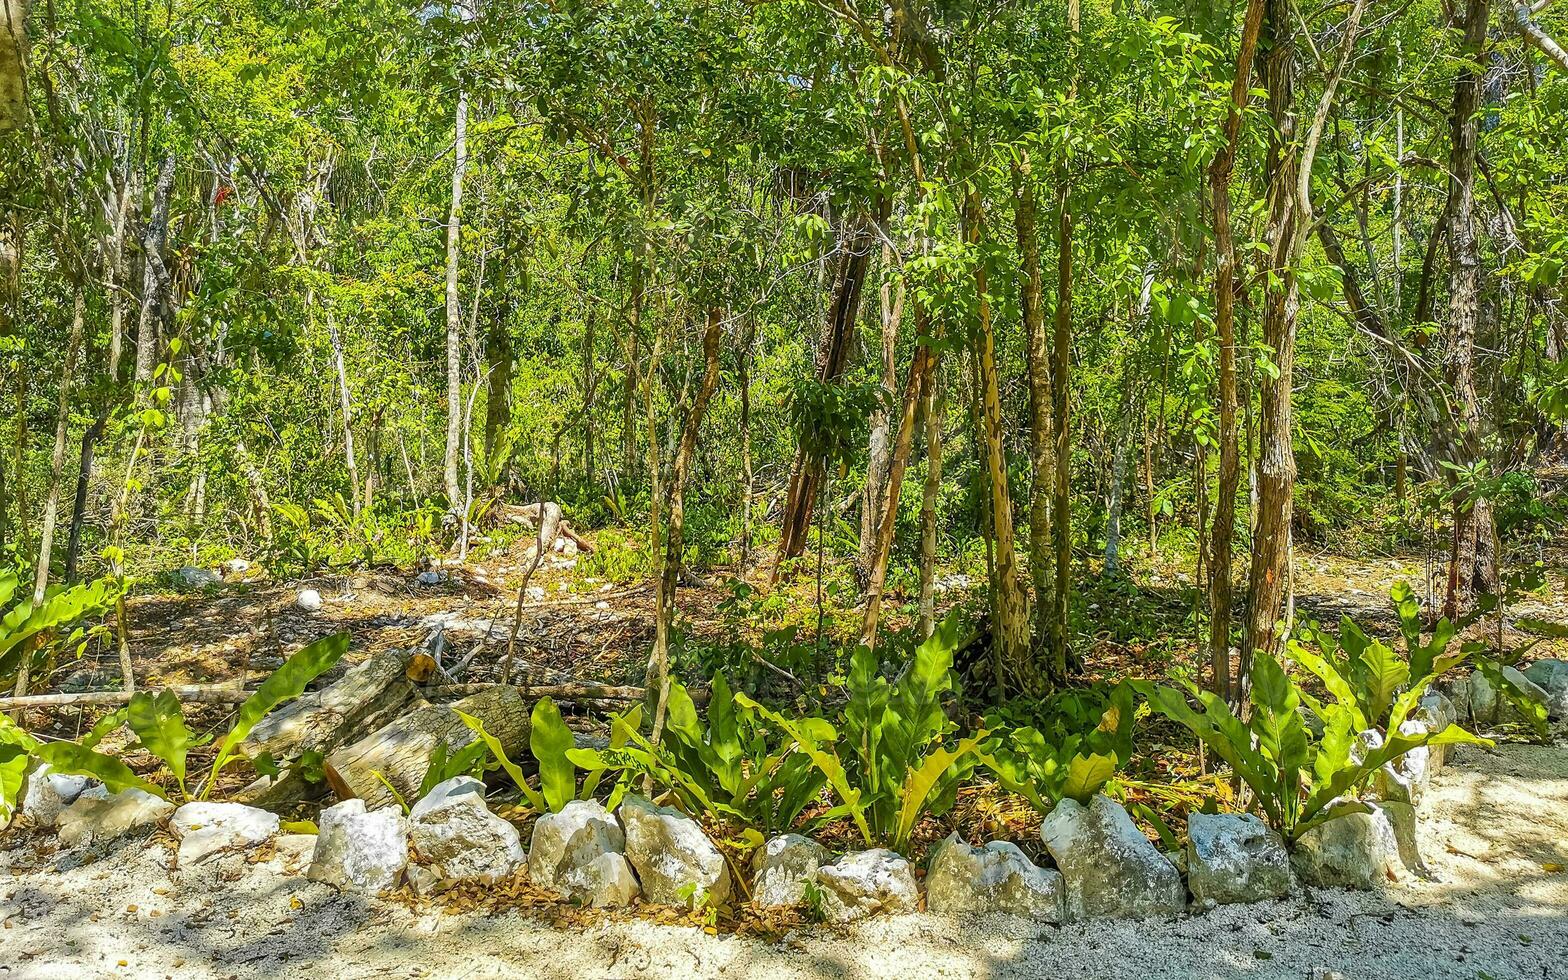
x: 1495, y: 825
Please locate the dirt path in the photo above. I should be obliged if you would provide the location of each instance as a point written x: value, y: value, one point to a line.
x: 1497, y: 833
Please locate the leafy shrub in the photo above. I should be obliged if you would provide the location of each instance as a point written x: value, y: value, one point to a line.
x: 1085, y: 736
x: 891, y: 760
x: 553, y: 747
x: 40, y: 630
x: 1299, y: 780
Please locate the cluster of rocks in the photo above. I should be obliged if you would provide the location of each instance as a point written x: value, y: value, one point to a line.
x: 1478, y: 704
x: 1103, y: 865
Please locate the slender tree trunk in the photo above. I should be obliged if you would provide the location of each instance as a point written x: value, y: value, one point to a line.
x: 84, y: 476
x: 934, y: 408
x: 155, y: 275
x: 1269, y: 573
x: 921, y: 372
x: 62, y: 427
x: 454, y: 313
x: 1472, y: 554
x: 119, y: 265
x: 1223, y: 530
x: 891, y: 311
x: 832, y: 360
x: 748, y: 488
x: 657, y: 681
x: 347, y: 405
x: 1017, y: 670
x: 1042, y: 437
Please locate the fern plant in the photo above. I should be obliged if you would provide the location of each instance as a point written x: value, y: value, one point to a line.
x: 553, y: 747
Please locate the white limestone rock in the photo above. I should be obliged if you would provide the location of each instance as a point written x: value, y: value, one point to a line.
x: 457, y: 835
x: 360, y: 850
x: 584, y: 828
x: 1235, y: 857
x: 1110, y: 868
x: 205, y: 829
x: 675, y: 861
x: 1352, y: 850
x: 47, y: 793
x: 98, y: 816
x: 308, y: 600
x: 995, y: 878
x: 867, y: 882
x: 782, y: 868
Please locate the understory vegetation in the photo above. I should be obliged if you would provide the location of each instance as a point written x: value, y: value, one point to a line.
x: 984, y: 400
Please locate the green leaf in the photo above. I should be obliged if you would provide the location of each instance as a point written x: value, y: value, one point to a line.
x: 285, y: 684
x: 159, y: 724
x: 1086, y: 774
x: 498, y: 752
x: 13, y: 769
x: 549, y: 740
x: 68, y: 757
x: 919, y: 783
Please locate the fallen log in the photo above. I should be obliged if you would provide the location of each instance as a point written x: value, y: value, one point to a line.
x: 369, y: 696
x: 200, y: 694
x: 533, y: 692
x: 396, y: 756
x: 528, y: 515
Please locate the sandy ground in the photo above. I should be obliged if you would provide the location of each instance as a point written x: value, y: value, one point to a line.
x: 1497, y: 838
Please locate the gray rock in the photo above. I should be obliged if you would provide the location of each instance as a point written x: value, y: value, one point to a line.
x: 583, y: 827
x: 995, y: 878
x: 1110, y: 868
x: 1353, y: 850
x: 47, y: 793
x: 1550, y: 675
x: 596, y: 878
x: 205, y: 829
x: 1235, y: 857
x: 1483, y: 700
x: 98, y: 816
x: 191, y: 577
x: 308, y: 600
x: 457, y: 835
x: 675, y: 861
x: 293, y: 852
x: 430, y: 578
x: 782, y: 868
x: 866, y: 882
x: 1456, y: 688
x: 1506, y: 710
x: 1437, y: 711
x: 360, y: 850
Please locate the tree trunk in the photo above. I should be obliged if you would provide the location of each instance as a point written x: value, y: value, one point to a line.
x: 155, y: 274
x: 878, y: 447
x: 1223, y: 529
x: 347, y: 405
x: 933, y: 407
x: 1270, y: 569
x: 1042, y: 438
x: 1017, y: 670
x: 13, y: 59
x: 1472, y: 555
x: 832, y: 360
x: 669, y: 572
x: 454, y: 313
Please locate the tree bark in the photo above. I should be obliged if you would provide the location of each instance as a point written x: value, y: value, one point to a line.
x: 933, y: 407
x: 879, y: 446
x: 657, y: 683
x: 155, y: 274
x: 1223, y: 528
x: 1471, y: 563
x: 1042, y: 437
x: 454, y: 312
x: 832, y: 360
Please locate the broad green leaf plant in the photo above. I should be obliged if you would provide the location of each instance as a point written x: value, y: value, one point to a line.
x: 158, y: 722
